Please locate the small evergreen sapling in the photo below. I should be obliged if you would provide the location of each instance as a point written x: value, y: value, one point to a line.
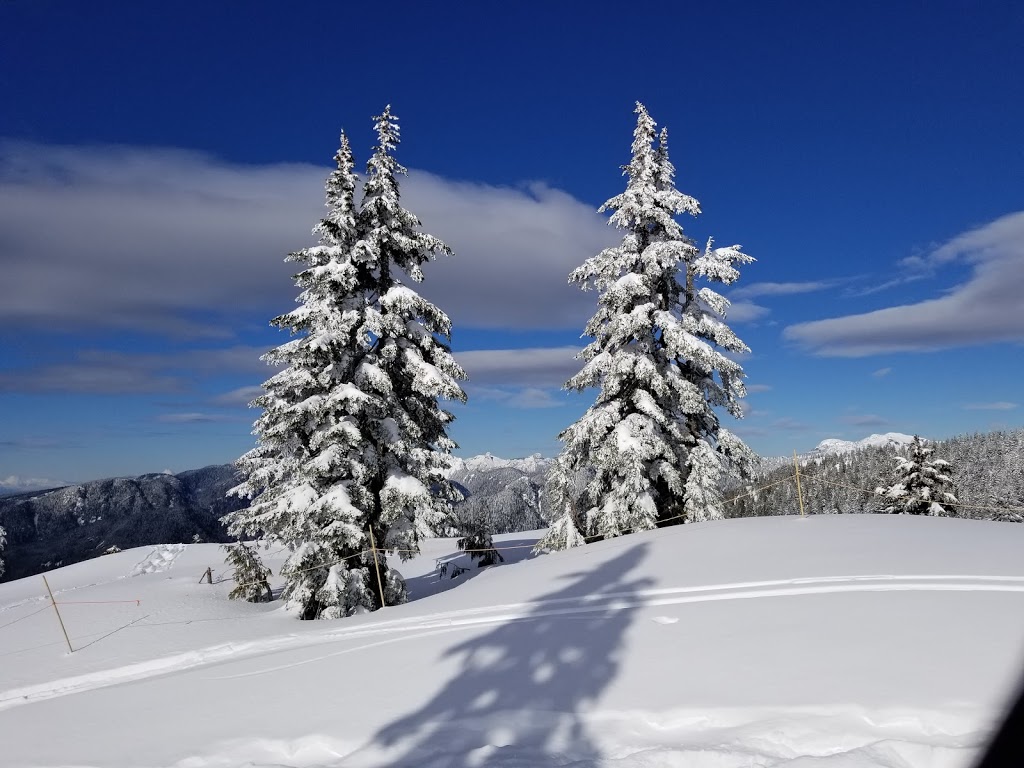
x: 920, y: 484
x: 250, y: 574
x: 478, y: 543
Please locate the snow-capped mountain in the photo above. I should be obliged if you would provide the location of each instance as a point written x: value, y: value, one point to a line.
x: 834, y: 446
x: 487, y: 461
x: 506, y: 495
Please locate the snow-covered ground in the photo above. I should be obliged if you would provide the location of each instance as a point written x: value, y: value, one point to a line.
x: 827, y: 642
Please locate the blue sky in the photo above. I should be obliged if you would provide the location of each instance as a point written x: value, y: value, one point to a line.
x: 157, y: 161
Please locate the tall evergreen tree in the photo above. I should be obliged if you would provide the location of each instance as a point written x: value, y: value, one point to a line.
x: 3, y: 543
x: 351, y: 446
x: 651, y: 447
x: 918, y: 489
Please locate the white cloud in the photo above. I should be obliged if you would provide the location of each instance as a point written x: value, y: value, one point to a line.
x: 866, y: 420
x: 789, y: 424
x: 118, y: 373
x: 519, y: 378
x: 881, y: 372
x: 525, y: 398
x: 189, y: 418
x: 745, y: 312
x: 181, y: 243
x: 986, y: 308
x: 754, y: 388
x: 241, y: 396
x: 15, y: 483
x: 781, y: 289
x: 532, y: 367
x: 997, y: 406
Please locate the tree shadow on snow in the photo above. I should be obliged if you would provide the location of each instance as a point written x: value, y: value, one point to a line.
x: 524, y: 688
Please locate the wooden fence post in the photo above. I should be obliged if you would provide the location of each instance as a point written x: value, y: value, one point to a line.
x: 62, y: 628
x: 373, y: 549
x: 799, y: 493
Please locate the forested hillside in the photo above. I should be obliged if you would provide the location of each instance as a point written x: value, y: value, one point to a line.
x: 987, y: 471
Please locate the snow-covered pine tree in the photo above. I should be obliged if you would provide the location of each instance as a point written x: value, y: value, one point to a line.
x: 920, y: 483
x: 651, y: 446
x: 352, y: 439
x: 250, y: 574
x: 3, y: 544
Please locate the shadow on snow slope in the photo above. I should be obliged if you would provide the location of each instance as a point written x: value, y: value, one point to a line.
x: 523, y: 686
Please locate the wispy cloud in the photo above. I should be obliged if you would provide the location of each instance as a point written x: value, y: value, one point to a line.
x: 781, y: 289
x: 881, y: 373
x: 745, y: 312
x: 985, y: 309
x: 107, y: 372
x: 790, y: 425
x: 190, y: 418
x: 152, y: 239
x: 535, y: 367
x: 866, y: 420
x: 33, y: 443
x: 15, y: 483
x: 240, y: 396
x: 754, y: 388
x: 525, y: 398
x: 1000, y: 405
x: 519, y: 378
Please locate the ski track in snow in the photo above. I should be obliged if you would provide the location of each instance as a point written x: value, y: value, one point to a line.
x: 159, y: 560
x: 418, y: 626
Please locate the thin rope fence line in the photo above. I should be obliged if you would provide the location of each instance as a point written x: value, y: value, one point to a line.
x: 787, y: 479
x: 31, y: 647
x: 595, y: 537
x: 194, y: 621
x: 683, y: 515
x: 28, y: 616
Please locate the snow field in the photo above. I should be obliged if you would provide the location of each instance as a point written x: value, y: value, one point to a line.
x: 825, y: 642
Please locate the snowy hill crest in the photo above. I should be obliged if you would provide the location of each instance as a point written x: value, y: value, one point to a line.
x: 834, y: 446
x: 485, y: 462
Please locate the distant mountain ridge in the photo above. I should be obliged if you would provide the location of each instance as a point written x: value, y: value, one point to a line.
x: 504, y: 495
x: 78, y: 522
x: 65, y: 525
x: 486, y: 462
x: 834, y: 446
